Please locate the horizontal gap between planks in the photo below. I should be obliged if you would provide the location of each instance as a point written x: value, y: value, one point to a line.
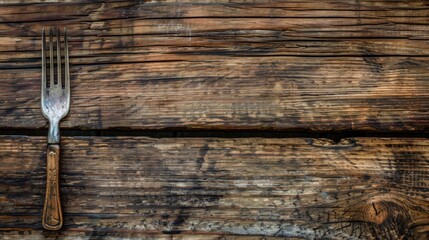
x: 336, y: 136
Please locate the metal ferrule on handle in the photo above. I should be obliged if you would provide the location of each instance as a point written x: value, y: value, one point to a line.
x: 54, y: 132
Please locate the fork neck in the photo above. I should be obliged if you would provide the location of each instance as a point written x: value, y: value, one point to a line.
x: 54, y: 132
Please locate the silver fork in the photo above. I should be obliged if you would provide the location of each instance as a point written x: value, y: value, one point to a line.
x: 55, y: 102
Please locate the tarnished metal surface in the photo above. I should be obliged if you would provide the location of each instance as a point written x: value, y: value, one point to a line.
x: 55, y: 98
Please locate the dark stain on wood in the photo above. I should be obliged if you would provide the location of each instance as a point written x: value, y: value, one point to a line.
x: 201, y: 159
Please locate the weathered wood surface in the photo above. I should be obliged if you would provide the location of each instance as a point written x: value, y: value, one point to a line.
x: 321, y: 65
x: 39, y: 235
x: 363, y: 188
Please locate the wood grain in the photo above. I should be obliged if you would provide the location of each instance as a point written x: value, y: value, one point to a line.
x: 358, y: 188
x: 318, y: 65
x: 39, y: 235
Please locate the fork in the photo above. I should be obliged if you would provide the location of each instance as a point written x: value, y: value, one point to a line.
x: 55, y: 101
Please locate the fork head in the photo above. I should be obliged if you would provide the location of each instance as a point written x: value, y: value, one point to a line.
x: 55, y: 94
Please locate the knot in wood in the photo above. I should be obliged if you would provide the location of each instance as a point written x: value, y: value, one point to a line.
x: 376, y: 212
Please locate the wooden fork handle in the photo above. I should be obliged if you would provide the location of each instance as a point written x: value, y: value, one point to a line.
x: 52, y: 213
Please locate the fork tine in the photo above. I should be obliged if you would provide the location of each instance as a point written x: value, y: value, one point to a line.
x: 43, y: 88
x: 59, y: 80
x: 51, y: 58
x: 66, y: 66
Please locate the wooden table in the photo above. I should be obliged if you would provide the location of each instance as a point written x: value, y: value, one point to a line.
x: 222, y: 120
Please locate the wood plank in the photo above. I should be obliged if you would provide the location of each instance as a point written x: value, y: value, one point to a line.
x: 244, y: 93
x: 319, y: 65
x: 298, y: 20
x: 358, y: 188
x: 346, y: 28
x: 147, y: 235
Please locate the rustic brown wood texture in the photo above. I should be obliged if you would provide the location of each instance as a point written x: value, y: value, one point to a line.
x: 281, y: 65
x: 321, y: 65
x: 362, y: 188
